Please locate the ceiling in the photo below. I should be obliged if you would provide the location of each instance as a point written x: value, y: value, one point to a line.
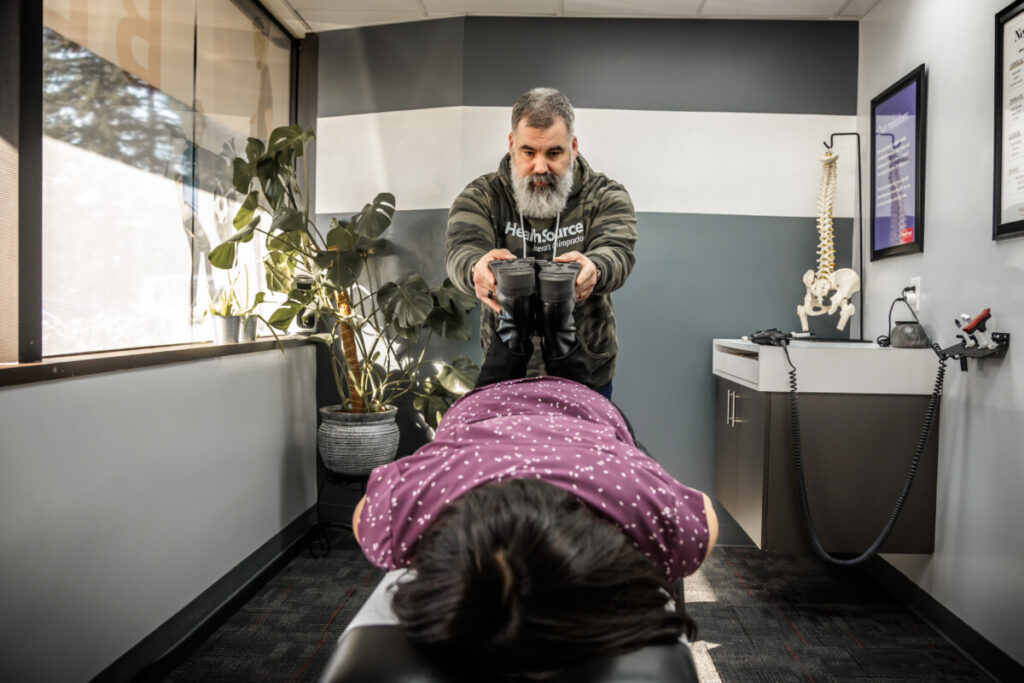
x: 305, y: 16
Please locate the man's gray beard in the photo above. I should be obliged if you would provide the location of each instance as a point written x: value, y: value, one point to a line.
x: 545, y: 201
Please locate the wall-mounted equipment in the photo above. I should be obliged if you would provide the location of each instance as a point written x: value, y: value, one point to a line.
x: 975, y: 342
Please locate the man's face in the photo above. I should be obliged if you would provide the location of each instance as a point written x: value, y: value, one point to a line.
x: 542, y: 162
x: 541, y: 151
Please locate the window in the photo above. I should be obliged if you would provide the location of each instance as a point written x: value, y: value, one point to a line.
x: 144, y: 105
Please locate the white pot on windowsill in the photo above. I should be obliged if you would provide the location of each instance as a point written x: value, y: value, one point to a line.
x: 225, y: 329
x: 247, y: 328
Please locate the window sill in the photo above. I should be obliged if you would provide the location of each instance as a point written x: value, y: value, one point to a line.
x: 63, y: 367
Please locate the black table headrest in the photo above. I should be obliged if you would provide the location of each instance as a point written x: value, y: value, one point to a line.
x: 383, y: 654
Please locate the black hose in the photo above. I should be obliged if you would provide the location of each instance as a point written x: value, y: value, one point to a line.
x: 798, y: 457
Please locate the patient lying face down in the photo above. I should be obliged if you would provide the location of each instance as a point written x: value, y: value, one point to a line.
x: 540, y: 534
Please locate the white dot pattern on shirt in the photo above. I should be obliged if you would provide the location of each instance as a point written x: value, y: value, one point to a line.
x: 541, y: 427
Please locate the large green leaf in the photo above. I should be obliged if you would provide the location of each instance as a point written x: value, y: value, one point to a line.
x: 285, y: 173
x: 251, y: 232
x: 450, y: 324
x: 282, y: 318
x: 254, y: 149
x: 410, y: 332
x: 406, y: 303
x: 452, y: 299
x: 223, y: 255
x: 241, y: 175
x: 285, y: 241
x: 288, y: 220
x: 375, y: 217
x: 320, y: 337
x: 460, y: 376
x: 296, y: 187
x: 432, y: 406
x: 340, y: 268
x: 247, y: 210
x: 289, y: 136
x: 341, y: 236
x: 267, y: 170
x: 286, y: 156
x: 279, y: 271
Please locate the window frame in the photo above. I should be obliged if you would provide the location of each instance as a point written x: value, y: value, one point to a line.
x: 32, y: 365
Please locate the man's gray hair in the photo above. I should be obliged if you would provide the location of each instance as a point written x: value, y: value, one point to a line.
x: 540, y: 106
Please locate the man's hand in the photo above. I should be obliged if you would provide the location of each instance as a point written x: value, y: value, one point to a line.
x: 588, y: 276
x: 483, y: 278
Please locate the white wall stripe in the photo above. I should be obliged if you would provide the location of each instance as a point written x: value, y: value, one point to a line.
x: 672, y: 162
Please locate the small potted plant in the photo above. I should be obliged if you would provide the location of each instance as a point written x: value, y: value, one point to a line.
x: 224, y: 308
x: 377, y: 332
x: 249, y: 316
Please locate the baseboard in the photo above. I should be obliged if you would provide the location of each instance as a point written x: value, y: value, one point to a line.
x: 986, y: 655
x: 161, y: 651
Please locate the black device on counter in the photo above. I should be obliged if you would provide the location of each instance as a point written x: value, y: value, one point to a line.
x: 772, y: 337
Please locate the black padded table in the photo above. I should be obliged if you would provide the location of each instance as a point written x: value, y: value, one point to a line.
x: 374, y: 649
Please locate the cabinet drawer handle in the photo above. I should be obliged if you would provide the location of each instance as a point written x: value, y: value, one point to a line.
x: 735, y: 420
x: 729, y: 407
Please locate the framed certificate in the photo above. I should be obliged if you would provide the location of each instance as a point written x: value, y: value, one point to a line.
x: 897, y: 167
x: 1008, y: 213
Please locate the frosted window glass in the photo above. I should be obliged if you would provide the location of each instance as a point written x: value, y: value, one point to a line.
x: 144, y: 104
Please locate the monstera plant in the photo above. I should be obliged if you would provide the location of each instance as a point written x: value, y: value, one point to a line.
x: 378, y: 332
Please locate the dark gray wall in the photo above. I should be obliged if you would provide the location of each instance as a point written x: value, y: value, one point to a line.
x: 780, y: 67
x: 384, y: 68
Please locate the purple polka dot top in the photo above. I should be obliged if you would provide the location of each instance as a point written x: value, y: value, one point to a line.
x: 543, y: 427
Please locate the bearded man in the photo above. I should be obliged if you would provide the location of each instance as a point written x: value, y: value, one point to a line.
x: 546, y: 203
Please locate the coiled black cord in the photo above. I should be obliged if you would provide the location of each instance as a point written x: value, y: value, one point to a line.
x: 798, y: 457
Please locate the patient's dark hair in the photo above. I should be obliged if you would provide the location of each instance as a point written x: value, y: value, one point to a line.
x: 522, y: 577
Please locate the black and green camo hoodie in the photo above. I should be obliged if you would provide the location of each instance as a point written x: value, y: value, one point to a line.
x: 598, y: 221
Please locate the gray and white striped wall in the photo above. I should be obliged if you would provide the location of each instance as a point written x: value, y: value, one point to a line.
x: 715, y: 127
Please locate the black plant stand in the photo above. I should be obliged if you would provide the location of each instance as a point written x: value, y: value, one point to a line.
x: 321, y: 547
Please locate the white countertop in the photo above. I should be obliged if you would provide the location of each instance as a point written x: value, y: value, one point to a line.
x: 833, y: 367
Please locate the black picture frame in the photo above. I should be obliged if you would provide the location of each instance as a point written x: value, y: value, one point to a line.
x: 898, y: 117
x: 1008, y: 176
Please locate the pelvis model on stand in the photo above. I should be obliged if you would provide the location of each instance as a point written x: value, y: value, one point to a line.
x: 828, y: 290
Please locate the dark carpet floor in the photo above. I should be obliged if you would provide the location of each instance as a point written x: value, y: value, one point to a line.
x: 762, y: 617
x: 769, y: 617
x: 287, y: 630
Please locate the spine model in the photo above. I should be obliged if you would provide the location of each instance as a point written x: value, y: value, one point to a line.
x: 826, y: 207
x: 826, y: 279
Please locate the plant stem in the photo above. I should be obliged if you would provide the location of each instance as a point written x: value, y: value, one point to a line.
x: 348, y: 345
x: 344, y: 389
